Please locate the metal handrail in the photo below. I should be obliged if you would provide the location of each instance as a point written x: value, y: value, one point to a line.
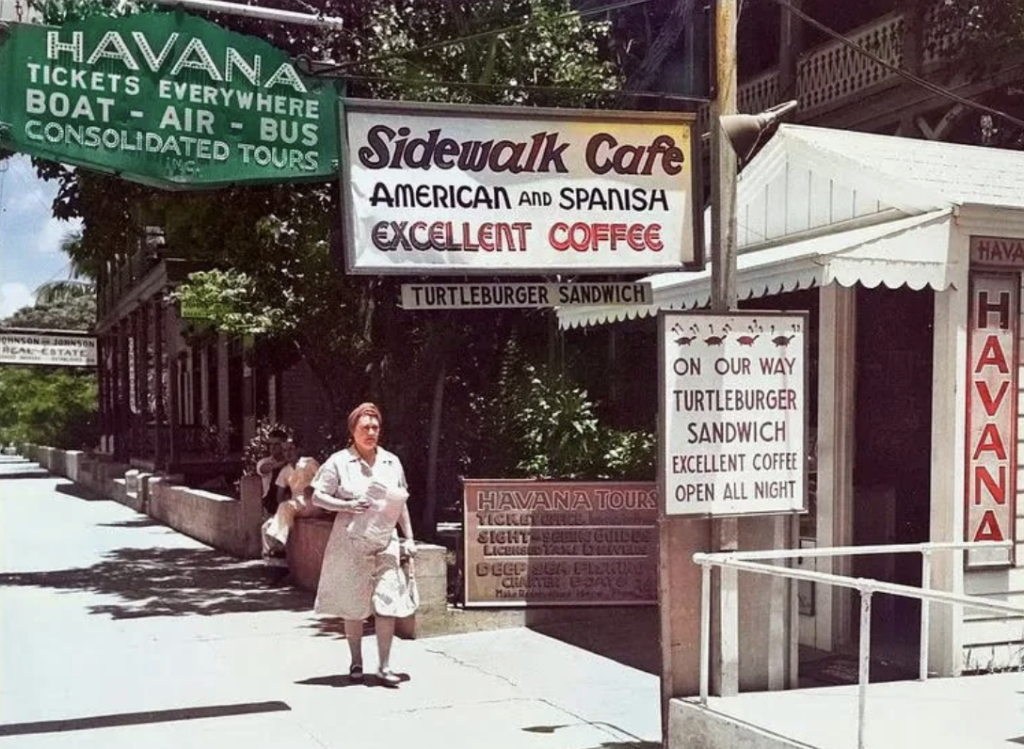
x: 751, y: 561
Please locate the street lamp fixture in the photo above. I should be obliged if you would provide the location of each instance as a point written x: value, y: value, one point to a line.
x: 748, y: 131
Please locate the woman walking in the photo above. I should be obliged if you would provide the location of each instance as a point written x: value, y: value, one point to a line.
x: 361, y: 574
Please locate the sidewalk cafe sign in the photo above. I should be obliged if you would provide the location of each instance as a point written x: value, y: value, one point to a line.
x: 560, y: 543
x: 433, y: 188
x: 32, y: 347
x: 165, y: 99
x: 734, y: 410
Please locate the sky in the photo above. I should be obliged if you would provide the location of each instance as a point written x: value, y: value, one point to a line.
x: 30, y: 237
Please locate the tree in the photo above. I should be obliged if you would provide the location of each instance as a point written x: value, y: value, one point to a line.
x: 79, y: 283
x: 53, y: 406
x: 73, y: 313
x: 48, y: 406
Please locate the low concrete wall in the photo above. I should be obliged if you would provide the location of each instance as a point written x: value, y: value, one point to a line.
x: 232, y: 525
x: 222, y: 522
x: 691, y: 726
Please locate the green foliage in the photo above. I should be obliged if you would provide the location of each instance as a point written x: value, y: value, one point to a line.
x: 48, y: 406
x: 555, y: 51
x: 58, y: 12
x: 78, y: 313
x: 540, y: 424
x: 229, y: 301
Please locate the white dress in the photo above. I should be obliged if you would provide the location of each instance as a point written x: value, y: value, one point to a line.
x: 356, y: 582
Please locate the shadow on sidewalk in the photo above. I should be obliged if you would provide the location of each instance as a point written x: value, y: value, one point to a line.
x: 79, y: 492
x: 172, y: 582
x: 140, y: 522
x: 630, y: 640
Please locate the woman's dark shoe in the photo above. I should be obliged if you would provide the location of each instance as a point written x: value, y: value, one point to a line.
x: 388, y: 678
x: 355, y: 672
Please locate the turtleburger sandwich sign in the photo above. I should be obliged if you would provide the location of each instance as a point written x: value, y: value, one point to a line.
x: 432, y: 188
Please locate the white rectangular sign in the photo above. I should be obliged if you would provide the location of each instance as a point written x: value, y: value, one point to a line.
x: 431, y: 188
x: 502, y: 295
x: 48, y: 349
x: 733, y: 412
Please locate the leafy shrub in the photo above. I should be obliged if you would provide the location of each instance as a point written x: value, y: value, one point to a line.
x: 539, y: 424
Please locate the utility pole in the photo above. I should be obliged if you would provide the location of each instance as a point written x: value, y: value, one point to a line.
x: 724, y: 531
x: 723, y: 162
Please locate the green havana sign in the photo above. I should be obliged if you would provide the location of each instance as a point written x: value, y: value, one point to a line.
x: 166, y: 99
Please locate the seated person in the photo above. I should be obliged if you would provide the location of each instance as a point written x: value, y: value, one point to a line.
x: 270, y: 467
x: 294, y: 500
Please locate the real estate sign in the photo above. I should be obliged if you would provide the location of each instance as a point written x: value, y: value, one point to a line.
x: 50, y: 349
x: 432, y: 188
x: 991, y: 479
x: 166, y: 99
x: 733, y: 412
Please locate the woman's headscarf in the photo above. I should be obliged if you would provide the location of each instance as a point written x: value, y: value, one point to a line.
x: 363, y: 409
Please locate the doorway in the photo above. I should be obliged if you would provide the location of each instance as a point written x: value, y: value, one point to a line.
x: 892, y: 456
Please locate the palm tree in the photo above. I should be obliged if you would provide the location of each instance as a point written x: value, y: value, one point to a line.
x: 79, y: 282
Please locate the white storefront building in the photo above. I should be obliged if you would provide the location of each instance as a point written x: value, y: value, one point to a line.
x: 908, y: 255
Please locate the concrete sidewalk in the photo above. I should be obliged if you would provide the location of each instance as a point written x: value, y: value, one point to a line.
x: 118, y: 632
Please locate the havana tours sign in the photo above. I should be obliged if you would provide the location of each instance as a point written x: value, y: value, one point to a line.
x: 432, y: 188
x: 165, y: 99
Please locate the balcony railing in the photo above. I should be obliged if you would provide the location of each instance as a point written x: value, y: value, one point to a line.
x: 832, y: 73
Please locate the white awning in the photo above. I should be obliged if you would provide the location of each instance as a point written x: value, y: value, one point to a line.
x: 913, y: 252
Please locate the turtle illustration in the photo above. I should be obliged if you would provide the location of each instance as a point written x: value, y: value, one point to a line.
x: 783, y: 340
x: 685, y: 340
x: 747, y: 340
x: 716, y: 340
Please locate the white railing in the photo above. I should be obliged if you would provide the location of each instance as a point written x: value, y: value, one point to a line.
x: 754, y: 561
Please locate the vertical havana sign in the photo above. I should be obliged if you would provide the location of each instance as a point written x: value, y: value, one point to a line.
x: 165, y: 99
x: 992, y: 414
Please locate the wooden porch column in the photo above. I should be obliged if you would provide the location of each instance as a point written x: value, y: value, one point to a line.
x: 142, y: 347
x: 837, y: 373
x: 223, y: 385
x: 949, y: 420
x: 204, y: 384
x: 101, y: 390
x: 171, y: 386
x: 790, y: 47
x: 122, y: 444
x: 160, y: 382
